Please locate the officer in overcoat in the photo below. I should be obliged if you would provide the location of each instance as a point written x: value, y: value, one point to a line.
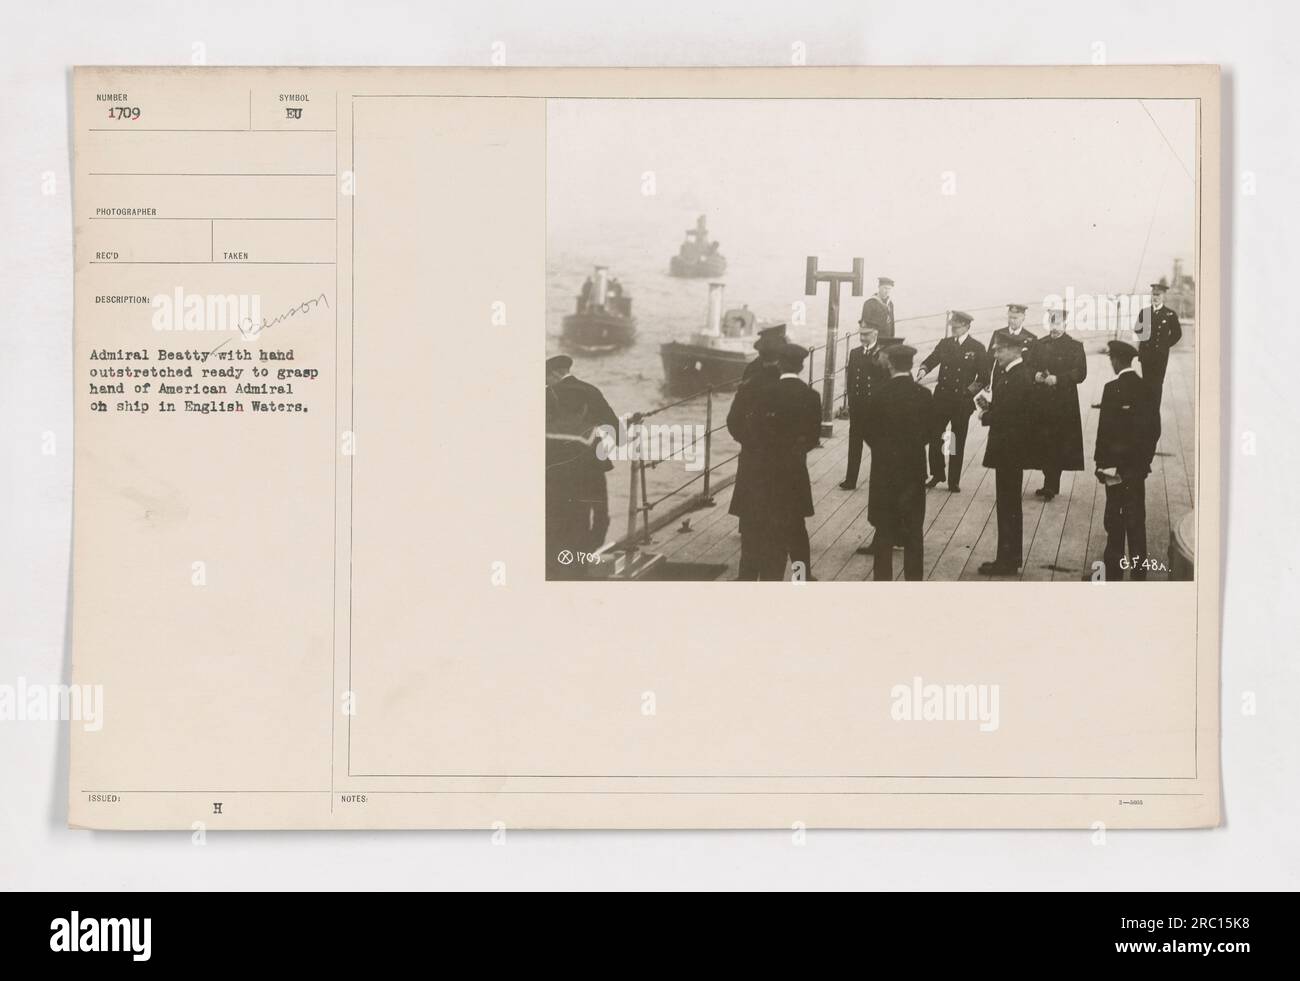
x: 768, y: 345
x: 898, y: 430
x: 1059, y: 366
x: 874, y: 488
x: 1009, y: 451
x: 749, y: 495
x: 787, y: 424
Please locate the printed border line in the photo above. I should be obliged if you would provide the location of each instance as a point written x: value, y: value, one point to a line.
x: 1200, y: 181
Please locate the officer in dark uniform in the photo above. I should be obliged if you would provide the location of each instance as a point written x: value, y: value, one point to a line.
x: 963, y: 373
x: 1158, y: 330
x: 1127, y: 432
x: 578, y: 420
x: 1059, y: 366
x: 899, y: 426
x: 878, y: 310
x: 1014, y: 330
x: 1009, y: 451
x: 787, y: 424
x: 749, y: 495
x: 771, y: 340
x: 874, y: 489
x: 863, y: 374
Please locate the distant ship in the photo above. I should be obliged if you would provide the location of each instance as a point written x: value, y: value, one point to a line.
x: 698, y: 257
x: 715, y: 356
x: 602, y: 320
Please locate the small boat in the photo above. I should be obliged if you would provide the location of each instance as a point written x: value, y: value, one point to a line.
x: 602, y: 320
x: 698, y: 258
x: 715, y: 356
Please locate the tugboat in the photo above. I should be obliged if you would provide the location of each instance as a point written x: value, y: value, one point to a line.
x: 602, y: 320
x: 698, y: 258
x: 715, y: 356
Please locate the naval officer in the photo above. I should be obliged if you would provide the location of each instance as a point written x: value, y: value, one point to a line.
x: 768, y: 345
x: 963, y: 372
x: 1015, y: 330
x: 1128, y: 429
x: 749, y: 501
x: 899, y: 426
x: 863, y: 376
x: 787, y: 424
x: 1009, y: 451
x: 1158, y: 330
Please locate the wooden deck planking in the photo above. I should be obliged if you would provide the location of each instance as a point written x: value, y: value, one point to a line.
x: 986, y: 548
x: 716, y: 538
x: 1164, y: 471
x: 825, y: 477
x: 1080, y: 506
x: 944, y: 510
x: 1183, y: 416
x: 1062, y: 538
x: 1045, y: 546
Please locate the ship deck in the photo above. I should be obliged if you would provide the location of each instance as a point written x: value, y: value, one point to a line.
x: 1062, y: 537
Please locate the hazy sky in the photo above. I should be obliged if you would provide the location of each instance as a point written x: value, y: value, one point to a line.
x: 1048, y: 193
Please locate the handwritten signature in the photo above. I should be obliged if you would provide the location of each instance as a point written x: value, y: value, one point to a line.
x: 247, y: 328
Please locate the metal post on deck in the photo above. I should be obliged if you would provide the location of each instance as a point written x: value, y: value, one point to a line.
x: 812, y: 276
x: 645, y: 504
x: 828, y: 361
x: 705, y: 497
x: 631, y: 506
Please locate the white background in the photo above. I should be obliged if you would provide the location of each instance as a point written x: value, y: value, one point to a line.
x: 1255, y: 44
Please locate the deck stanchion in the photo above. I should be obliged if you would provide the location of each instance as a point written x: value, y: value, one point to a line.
x: 705, y: 498
x: 631, y: 505
x: 645, y: 508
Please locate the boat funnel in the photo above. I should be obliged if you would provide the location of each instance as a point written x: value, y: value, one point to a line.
x: 713, y: 326
x: 601, y: 285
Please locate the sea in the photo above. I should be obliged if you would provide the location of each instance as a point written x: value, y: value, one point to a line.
x: 769, y: 280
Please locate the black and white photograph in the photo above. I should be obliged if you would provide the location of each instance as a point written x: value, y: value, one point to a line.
x: 871, y: 339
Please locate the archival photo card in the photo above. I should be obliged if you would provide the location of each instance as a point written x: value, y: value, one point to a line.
x: 891, y: 394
